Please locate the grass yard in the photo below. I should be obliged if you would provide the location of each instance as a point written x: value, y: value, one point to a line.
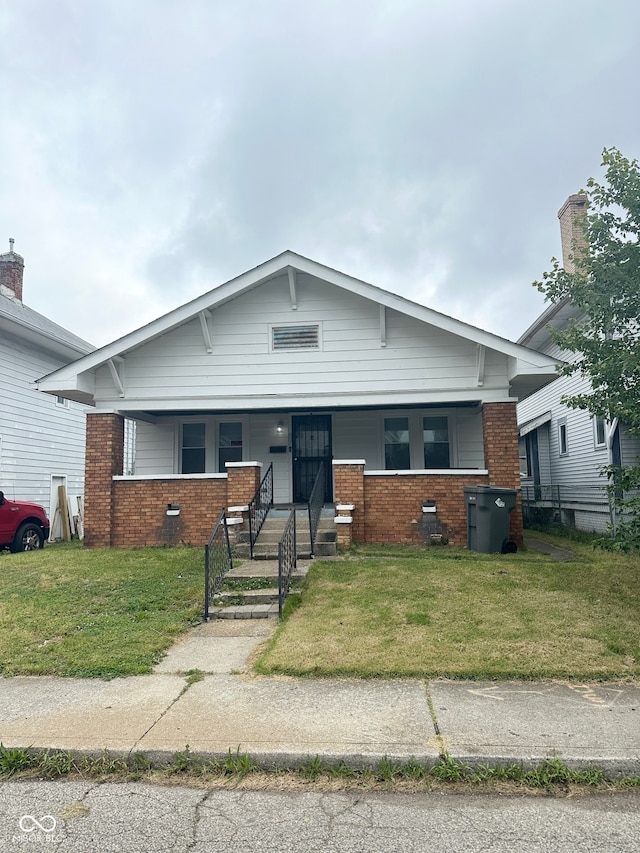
x: 100, y: 613
x: 445, y: 612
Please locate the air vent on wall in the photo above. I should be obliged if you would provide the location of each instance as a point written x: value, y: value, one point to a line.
x: 295, y: 337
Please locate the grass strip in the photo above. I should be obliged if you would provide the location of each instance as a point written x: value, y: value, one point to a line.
x: 551, y: 776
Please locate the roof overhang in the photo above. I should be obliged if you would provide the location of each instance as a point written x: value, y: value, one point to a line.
x: 534, y: 423
x: 528, y: 370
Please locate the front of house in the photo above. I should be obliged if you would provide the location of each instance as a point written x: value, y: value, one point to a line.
x: 292, y: 364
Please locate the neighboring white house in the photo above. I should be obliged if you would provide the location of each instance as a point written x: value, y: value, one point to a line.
x: 562, y: 450
x: 291, y: 364
x: 42, y: 438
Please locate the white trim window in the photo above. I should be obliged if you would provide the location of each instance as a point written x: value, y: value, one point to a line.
x: 229, y: 443
x: 397, y: 447
x: 62, y: 402
x: 435, y: 438
x: 563, y: 438
x: 599, y: 432
x: 193, y: 448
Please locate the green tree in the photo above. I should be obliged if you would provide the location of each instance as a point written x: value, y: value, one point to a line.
x: 605, y: 287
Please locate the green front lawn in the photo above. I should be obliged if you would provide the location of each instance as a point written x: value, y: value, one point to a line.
x: 71, y: 611
x: 446, y: 612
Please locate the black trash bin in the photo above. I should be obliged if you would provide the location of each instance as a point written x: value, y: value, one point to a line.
x: 488, y: 511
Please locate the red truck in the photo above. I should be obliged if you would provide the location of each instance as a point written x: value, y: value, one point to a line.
x: 23, y: 526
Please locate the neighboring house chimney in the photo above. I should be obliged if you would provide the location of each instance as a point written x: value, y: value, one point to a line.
x: 571, y: 216
x: 11, y: 270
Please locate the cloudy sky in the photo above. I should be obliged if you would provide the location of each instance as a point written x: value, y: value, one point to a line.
x: 152, y: 149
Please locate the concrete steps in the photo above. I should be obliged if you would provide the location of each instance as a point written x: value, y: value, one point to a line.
x: 266, y: 546
x: 261, y: 603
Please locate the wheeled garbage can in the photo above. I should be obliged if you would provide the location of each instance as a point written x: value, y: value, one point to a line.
x: 488, y: 511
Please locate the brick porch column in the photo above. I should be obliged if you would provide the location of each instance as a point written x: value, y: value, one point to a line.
x: 243, y: 480
x: 348, y: 478
x: 500, y: 431
x: 104, y: 458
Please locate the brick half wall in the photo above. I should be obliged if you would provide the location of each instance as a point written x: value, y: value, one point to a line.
x: 393, y: 507
x: 140, y: 511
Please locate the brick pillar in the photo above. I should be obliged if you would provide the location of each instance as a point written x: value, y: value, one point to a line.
x: 243, y: 480
x: 104, y: 458
x: 500, y: 430
x: 348, y: 476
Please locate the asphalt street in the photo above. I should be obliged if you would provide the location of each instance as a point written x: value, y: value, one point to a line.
x: 75, y: 817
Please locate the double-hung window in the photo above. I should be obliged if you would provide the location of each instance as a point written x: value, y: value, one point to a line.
x: 193, y: 449
x: 229, y: 444
x: 435, y: 434
x: 397, y: 454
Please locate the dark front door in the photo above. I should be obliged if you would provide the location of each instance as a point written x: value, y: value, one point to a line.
x: 311, y: 447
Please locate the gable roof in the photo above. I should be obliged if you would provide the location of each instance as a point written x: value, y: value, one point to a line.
x: 525, y: 361
x: 25, y: 323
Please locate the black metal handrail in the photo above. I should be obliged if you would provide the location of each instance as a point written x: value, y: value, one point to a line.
x: 217, y: 561
x: 259, y: 506
x: 316, y: 502
x: 287, y: 560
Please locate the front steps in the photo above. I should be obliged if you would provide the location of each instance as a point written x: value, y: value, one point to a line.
x: 261, y: 603
x: 266, y: 546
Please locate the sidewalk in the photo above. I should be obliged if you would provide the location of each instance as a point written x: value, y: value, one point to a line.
x: 283, y: 721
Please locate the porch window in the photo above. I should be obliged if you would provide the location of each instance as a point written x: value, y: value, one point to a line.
x: 435, y: 433
x: 396, y: 444
x: 193, y: 449
x: 229, y: 444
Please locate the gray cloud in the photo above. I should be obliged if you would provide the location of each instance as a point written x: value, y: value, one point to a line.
x: 425, y: 147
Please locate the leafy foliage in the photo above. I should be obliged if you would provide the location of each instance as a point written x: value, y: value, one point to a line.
x: 605, y: 287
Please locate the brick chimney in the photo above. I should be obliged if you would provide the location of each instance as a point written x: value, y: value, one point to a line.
x: 571, y: 216
x: 11, y: 270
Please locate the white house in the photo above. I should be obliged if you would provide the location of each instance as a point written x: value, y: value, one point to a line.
x: 291, y: 364
x: 42, y: 438
x: 562, y: 450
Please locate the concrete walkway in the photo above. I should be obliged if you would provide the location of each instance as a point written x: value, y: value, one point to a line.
x: 283, y: 721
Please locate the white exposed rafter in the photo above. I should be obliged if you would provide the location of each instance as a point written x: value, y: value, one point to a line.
x: 383, y: 326
x: 292, y: 288
x: 206, y: 333
x: 116, y: 366
x: 480, y: 355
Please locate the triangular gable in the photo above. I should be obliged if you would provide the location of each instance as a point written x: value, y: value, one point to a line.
x: 522, y: 359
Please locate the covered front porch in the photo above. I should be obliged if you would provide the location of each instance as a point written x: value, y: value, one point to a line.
x: 393, y: 475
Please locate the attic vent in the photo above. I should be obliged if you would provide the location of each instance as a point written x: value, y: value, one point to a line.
x: 295, y: 337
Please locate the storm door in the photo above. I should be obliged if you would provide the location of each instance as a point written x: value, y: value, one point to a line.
x: 311, y: 447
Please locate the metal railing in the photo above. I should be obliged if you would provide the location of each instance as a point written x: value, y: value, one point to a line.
x: 316, y: 502
x: 259, y: 506
x: 287, y: 560
x: 217, y: 561
x: 559, y: 502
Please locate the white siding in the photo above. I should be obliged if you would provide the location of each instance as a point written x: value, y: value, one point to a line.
x: 417, y: 357
x: 577, y: 471
x: 155, y: 448
x: 38, y: 439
